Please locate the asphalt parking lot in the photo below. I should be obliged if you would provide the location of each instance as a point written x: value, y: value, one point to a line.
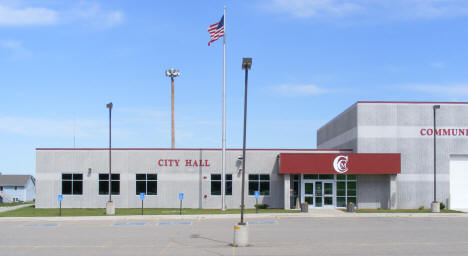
x: 267, y: 236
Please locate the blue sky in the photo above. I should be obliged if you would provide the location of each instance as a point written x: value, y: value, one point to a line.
x: 61, y: 62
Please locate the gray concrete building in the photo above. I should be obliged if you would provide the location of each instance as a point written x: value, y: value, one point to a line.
x: 374, y: 154
x: 81, y: 176
x: 406, y: 128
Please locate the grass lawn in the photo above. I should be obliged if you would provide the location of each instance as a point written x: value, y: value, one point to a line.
x: 14, y: 204
x: 33, y: 212
x: 402, y: 211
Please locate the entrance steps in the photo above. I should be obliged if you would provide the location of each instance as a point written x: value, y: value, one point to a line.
x: 326, y: 212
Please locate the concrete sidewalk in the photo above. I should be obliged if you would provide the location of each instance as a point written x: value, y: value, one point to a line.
x: 11, y: 208
x: 316, y: 213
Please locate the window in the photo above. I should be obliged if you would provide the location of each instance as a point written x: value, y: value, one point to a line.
x: 16, y: 188
x: 228, y: 187
x: 104, y: 184
x: 216, y: 184
x: 72, y: 183
x: 1, y: 188
x: 147, y: 183
x: 259, y: 182
x: 345, y: 190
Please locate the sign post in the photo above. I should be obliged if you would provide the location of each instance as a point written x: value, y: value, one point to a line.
x: 257, y: 195
x: 181, y: 197
x: 142, y: 198
x: 59, y: 198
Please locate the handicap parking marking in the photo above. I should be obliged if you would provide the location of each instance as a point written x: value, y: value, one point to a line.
x: 174, y: 223
x: 41, y: 225
x: 129, y: 224
x: 262, y: 222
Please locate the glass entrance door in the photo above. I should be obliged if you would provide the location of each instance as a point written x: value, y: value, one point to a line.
x: 324, y: 193
x: 328, y: 194
x: 318, y: 193
x: 309, y: 193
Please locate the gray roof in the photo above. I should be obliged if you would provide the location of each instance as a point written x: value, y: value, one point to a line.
x: 14, y: 180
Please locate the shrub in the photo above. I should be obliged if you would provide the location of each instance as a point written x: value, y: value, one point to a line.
x: 442, y: 206
x: 421, y: 208
x: 261, y: 206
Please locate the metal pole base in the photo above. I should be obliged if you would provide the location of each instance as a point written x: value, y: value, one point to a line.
x: 241, y: 235
x: 110, y: 208
x: 435, y: 207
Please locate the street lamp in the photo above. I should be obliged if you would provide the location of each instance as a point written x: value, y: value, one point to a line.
x: 246, y: 65
x: 241, y: 235
x: 110, y: 210
x: 435, y: 206
x: 172, y: 73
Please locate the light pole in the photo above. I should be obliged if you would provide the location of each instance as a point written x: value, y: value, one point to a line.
x: 241, y: 235
x: 246, y: 65
x: 110, y: 210
x: 172, y: 73
x: 435, y: 206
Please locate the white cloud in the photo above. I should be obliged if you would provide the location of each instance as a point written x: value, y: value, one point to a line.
x: 84, y: 12
x: 15, y: 49
x: 298, y: 90
x: 12, y: 45
x: 437, y: 64
x: 454, y: 90
x: 95, y: 15
x: 33, y: 127
x: 27, y: 16
x: 366, y: 9
x: 316, y: 8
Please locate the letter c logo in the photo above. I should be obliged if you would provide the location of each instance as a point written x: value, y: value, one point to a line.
x: 339, y: 164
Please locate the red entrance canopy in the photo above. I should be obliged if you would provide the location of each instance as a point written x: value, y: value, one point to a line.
x: 325, y: 163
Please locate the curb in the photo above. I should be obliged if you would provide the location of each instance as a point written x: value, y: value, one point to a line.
x: 236, y: 216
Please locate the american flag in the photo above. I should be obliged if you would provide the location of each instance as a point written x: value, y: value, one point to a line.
x: 216, y: 31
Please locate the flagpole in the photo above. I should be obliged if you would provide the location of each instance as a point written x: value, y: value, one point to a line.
x: 223, y: 176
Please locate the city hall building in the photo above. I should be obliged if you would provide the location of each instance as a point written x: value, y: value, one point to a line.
x: 374, y: 154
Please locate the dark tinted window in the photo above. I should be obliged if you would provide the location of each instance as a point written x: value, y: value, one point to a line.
x: 146, y: 183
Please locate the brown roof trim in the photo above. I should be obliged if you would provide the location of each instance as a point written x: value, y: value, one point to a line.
x: 207, y: 149
x: 413, y: 102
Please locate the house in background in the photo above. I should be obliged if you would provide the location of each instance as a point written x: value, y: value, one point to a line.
x: 16, y: 188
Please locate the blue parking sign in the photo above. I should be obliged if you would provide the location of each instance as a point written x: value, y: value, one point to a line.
x: 142, y: 196
x: 59, y: 198
x: 181, y: 196
x: 257, y: 194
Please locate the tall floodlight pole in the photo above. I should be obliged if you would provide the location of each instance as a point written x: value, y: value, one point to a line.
x: 246, y: 65
x: 434, y: 108
x: 109, y: 106
x: 172, y: 73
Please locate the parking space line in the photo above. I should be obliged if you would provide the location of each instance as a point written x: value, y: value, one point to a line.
x: 174, y: 223
x: 165, y: 248
x: 129, y: 224
x: 41, y: 225
x: 262, y: 222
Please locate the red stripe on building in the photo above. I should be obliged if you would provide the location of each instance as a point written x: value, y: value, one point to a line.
x: 324, y: 163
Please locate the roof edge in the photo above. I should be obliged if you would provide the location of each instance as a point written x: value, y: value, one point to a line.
x: 207, y: 149
x: 412, y: 102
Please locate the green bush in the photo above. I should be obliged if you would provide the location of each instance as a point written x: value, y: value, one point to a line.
x: 261, y: 206
x: 442, y: 206
x: 421, y: 208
